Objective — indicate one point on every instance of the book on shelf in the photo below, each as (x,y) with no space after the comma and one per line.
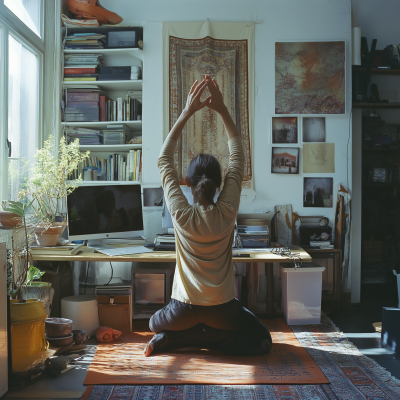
(82,103)
(77,67)
(81,109)
(82,96)
(76,41)
(64,250)
(82,117)
(81,76)
(85,136)
(113,137)
(81,79)
(91,69)
(102,102)
(116,167)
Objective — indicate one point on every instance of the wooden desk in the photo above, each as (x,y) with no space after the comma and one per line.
(169,256)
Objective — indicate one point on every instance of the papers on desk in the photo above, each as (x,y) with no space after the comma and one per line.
(66,250)
(256,250)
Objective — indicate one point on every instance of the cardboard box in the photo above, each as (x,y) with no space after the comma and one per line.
(115,307)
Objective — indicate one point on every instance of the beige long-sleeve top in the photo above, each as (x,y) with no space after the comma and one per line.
(204,272)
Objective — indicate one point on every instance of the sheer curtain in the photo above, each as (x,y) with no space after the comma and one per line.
(23,97)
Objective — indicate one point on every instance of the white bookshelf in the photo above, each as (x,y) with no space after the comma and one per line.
(113,89)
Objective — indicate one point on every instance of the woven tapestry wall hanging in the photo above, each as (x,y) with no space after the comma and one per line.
(310,78)
(225,51)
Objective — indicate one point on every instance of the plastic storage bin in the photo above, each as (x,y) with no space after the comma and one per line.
(301,293)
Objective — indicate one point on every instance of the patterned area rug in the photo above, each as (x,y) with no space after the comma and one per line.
(352,376)
(122,362)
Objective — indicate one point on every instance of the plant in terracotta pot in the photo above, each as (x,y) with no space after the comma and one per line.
(8,218)
(48,187)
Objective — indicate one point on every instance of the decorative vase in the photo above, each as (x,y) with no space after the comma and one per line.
(48,236)
(8,218)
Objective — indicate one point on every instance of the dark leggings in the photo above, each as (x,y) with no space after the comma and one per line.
(194,325)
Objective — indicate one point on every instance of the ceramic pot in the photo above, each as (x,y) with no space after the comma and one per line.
(60,342)
(57,327)
(79,336)
(48,236)
(8,218)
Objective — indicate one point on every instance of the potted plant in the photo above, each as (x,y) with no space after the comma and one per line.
(21,256)
(48,187)
(36,289)
(8,218)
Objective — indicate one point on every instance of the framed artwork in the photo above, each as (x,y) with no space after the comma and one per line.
(318,192)
(314,129)
(284,130)
(285,160)
(310,77)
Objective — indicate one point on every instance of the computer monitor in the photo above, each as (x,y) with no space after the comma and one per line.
(99,211)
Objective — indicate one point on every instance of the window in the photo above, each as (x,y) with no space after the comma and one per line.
(28,11)
(23,108)
(21,70)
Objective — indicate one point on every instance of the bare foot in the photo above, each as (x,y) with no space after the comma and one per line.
(155,344)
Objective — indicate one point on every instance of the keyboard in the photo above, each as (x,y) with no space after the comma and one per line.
(121,251)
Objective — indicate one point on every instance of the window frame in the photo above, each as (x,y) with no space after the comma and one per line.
(11,25)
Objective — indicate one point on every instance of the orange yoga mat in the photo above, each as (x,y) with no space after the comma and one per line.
(123,362)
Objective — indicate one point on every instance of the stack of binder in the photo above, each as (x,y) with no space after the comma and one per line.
(164,242)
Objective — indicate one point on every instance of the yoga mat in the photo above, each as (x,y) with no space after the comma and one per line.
(123,362)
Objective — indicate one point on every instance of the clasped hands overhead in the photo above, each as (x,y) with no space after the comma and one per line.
(215,101)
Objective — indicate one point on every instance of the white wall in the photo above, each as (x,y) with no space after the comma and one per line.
(284,20)
(279,20)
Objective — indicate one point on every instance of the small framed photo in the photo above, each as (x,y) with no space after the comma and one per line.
(285,160)
(284,130)
(318,192)
(153,197)
(314,129)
